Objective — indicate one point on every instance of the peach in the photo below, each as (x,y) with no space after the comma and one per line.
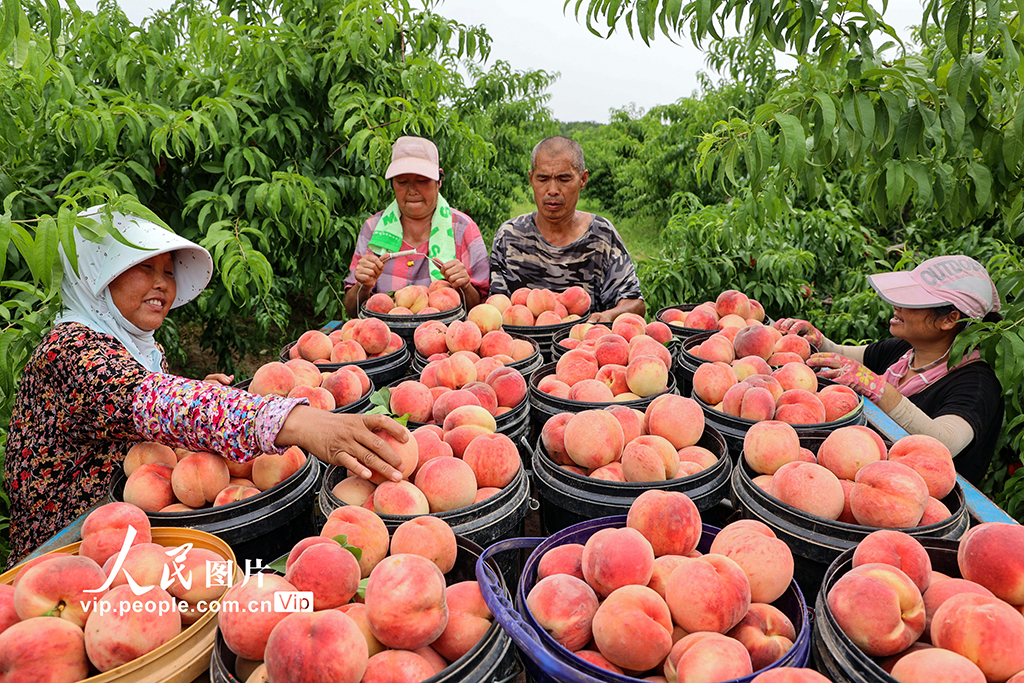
(576,365)
(412,398)
(575,299)
(497,342)
(659,332)
(716,348)
(702,318)
(553,437)
(940,591)
(598,660)
(363,529)
(246,631)
(663,568)
(273,378)
(673,315)
(901,550)
(548,318)
(59,588)
(463,336)
(764,482)
(314,345)
(934,665)
(317,646)
(612,376)
(630,419)
(405,602)
(669,521)
(749,402)
(732,321)
(769,445)
(456,371)
(380,303)
(848,449)
(270,469)
(429,537)
(633,628)
(992,555)
(430,338)
(540,300)
(792,343)
(373,335)
(647,376)
(43,649)
(985,630)
(448,483)
(879,608)
(412,297)
(642,345)
(116,635)
(148,452)
(318,397)
(347,352)
(610,472)
(766,633)
(754,340)
(708,593)
(347,330)
(449,401)
(469,619)
(732,302)
(522,349)
(499,301)
(198,585)
(357,612)
(591,391)
(809,487)
(494,460)
(611,349)
(796,376)
(649,458)
(711,381)
(707,657)
(934,513)
(393,666)
(106,527)
(888,494)
(517,315)
(930,458)
(697,455)
(678,419)
(782,358)
(766,382)
(616,557)
(750,365)
(765,559)
(509,385)
(797,406)
(469,415)
(444,299)
(149,487)
(328,570)
(345,387)
(786,674)
(564,606)
(234,493)
(594,438)
(562,559)
(399,498)
(839,401)
(460,437)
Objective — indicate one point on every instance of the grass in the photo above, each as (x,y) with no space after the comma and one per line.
(641,236)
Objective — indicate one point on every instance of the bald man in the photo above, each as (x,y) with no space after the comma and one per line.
(556,246)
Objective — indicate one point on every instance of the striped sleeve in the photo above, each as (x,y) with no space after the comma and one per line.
(471,250)
(209,417)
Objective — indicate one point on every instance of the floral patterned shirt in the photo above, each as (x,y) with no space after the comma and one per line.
(83,401)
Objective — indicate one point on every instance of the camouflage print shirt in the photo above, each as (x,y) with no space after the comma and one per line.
(597,261)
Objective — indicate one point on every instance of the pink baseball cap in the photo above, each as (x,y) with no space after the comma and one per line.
(955,280)
(414,155)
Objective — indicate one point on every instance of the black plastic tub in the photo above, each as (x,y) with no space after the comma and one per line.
(494,659)
(501,516)
(380,370)
(405,325)
(567,498)
(734,429)
(542,334)
(833,652)
(259,528)
(525,366)
(543,406)
(816,542)
(361,405)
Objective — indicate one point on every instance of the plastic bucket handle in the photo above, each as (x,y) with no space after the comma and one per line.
(521,633)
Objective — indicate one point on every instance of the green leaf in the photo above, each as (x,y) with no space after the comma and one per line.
(278,565)
(794,141)
(362,587)
(982,183)
(343,540)
(22,39)
(958,22)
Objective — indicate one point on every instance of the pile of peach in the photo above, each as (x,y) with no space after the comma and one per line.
(358,339)
(474,337)
(443,468)
(456,381)
(731,309)
(299,378)
(642,600)
(758,342)
(440,296)
(623,444)
(161,479)
(624,363)
(788,394)
(854,478)
(539,307)
(925,626)
(54,626)
(406,625)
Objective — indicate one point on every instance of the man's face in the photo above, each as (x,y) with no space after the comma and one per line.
(556,185)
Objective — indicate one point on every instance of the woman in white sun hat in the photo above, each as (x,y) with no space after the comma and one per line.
(97,384)
(909,375)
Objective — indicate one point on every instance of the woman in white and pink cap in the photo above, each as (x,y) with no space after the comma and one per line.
(911,376)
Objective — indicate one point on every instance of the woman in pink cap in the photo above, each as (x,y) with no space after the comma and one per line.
(910,376)
(435,241)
